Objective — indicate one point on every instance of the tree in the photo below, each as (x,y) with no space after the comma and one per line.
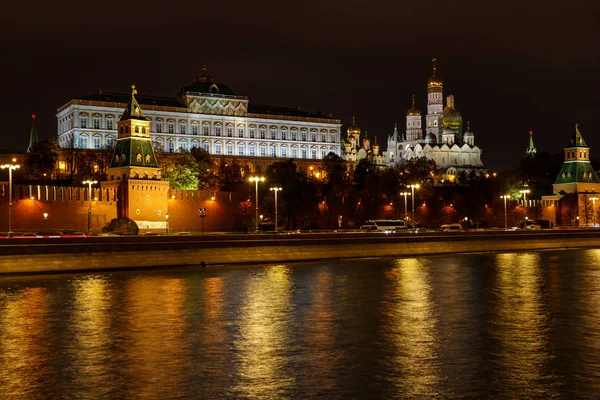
(40,161)
(207,179)
(336,177)
(181,170)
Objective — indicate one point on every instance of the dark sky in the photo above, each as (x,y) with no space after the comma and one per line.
(512,65)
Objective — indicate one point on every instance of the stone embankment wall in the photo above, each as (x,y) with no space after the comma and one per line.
(22,256)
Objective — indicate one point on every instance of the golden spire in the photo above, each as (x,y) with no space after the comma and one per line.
(434,80)
(414,111)
(133,90)
(353,129)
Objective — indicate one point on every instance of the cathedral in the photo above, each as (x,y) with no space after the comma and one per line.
(441,140)
(354,150)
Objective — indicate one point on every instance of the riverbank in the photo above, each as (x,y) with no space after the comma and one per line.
(35,256)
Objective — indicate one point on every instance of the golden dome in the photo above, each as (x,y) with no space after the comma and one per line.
(414,111)
(434,80)
(353,129)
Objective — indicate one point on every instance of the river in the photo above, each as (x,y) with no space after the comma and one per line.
(506,325)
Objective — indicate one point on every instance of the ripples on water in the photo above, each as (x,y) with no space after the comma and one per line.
(513,325)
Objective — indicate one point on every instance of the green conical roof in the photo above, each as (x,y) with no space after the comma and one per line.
(33,137)
(577,139)
(577,171)
(133,109)
(531,150)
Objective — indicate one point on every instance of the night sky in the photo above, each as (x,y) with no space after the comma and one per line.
(513,66)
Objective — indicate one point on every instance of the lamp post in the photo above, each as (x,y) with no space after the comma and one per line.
(525,191)
(45,221)
(405,194)
(202,215)
(413,187)
(10,169)
(593,199)
(276,189)
(257,179)
(505,215)
(167,224)
(90,183)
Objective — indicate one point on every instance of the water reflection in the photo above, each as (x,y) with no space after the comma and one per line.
(521,327)
(412,331)
(155,359)
(23,354)
(264,335)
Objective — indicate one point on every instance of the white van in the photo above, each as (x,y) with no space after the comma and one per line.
(451,228)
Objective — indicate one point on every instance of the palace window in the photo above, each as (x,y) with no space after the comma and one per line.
(194,144)
(96,122)
(313,153)
(323,153)
(110,142)
(252,133)
(252,150)
(206,130)
(96,142)
(158,126)
(83,142)
(273,133)
(183,145)
(171,127)
(229,131)
(218,130)
(304,153)
(240,131)
(284,151)
(240,149)
(194,129)
(110,124)
(229,149)
(283,134)
(218,148)
(263,151)
(294,152)
(171,146)
(313,136)
(304,136)
(273,151)
(206,147)
(294,135)
(83,121)
(323,137)
(182,128)
(263,133)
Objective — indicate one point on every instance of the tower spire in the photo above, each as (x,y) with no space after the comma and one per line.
(33,137)
(530,152)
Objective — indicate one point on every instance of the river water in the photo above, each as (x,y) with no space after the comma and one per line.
(510,325)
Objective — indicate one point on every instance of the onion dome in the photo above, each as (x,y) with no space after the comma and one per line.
(468,133)
(414,111)
(375,145)
(434,80)
(353,130)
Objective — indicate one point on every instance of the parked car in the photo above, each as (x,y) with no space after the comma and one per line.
(451,228)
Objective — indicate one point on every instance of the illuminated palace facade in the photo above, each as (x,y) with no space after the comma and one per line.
(441,138)
(205,114)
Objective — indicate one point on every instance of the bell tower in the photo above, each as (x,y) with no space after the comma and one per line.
(435,102)
(134,173)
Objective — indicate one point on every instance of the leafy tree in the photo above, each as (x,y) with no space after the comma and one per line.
(231,176)
(40,161)
(181,170)
(336,177)
(207,179)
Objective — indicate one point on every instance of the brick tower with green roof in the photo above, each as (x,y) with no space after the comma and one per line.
(134,173)
(577,174)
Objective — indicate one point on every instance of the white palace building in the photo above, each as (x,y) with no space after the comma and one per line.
(205,114)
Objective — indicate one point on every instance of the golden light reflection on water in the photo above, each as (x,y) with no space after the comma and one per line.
(23,329)
(264,335)
(155,343)
(90,322)
(521,325)
(412,330)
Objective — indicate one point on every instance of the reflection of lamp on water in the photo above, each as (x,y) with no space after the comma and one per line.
(167,224)
(45,220)
(275,189)
(505,216)
(257,179)
(413,187)
(90,183)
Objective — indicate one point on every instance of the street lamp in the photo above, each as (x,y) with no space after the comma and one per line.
(10,169)
(167,224)
(593,199)
(90,183)
(257,179)
(45,221)
(413,187)
(525,191)
(405,194)
(276,189)
(505,217)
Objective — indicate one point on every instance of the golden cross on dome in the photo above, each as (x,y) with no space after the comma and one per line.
(133,91)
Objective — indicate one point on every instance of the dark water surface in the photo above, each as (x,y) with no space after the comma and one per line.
(512,325)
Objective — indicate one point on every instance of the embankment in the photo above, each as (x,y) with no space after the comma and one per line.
(30,256)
